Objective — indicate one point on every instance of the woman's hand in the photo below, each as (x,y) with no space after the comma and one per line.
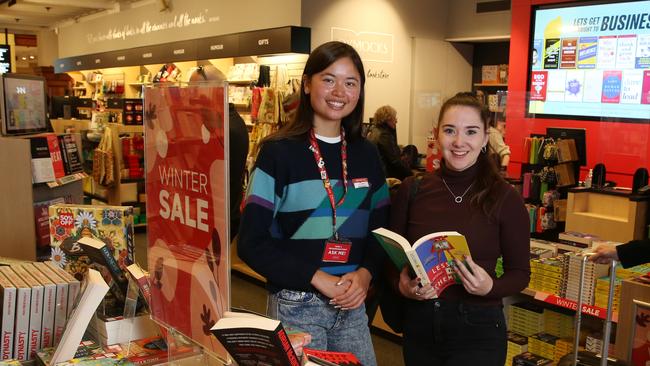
(356,284)
(412,289)
(475,279)
(328,285)
(604,254)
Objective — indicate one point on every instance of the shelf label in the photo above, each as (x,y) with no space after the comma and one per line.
(98,60)
(78,63)
(263,41)
(121,58)
(216,47)
(179,51)
(147,55)
(572,305)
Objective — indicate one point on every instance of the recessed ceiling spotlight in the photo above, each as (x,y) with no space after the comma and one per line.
(23,58)
(31,57)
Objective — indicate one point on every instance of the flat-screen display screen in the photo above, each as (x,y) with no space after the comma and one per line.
(590,61)
(23,107)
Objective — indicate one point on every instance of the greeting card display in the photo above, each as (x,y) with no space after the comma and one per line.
(186,184)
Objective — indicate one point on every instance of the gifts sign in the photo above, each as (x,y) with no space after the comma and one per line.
(185,156)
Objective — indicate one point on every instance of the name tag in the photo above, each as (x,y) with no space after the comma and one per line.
(360,183)
(337,251)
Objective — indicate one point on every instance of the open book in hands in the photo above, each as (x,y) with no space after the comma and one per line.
(431,257)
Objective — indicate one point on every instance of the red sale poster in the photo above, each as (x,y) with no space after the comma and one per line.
(538,83)
(186,209)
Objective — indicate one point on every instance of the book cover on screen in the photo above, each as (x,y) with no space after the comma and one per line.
(431,257)
(587,47)
(255,340)
(568,53)
(551,53)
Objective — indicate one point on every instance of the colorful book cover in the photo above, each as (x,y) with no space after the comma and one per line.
(587,50)
(645,89)
(642,60)
(606,58)
(568,53)
(611,86)
(538,83)
(631,86)
(187,218)
(111,224)
(552,53)
(574,86)
(55,154)
(536,54)
(626,51)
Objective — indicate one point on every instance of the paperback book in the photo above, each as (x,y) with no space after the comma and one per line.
(431,257)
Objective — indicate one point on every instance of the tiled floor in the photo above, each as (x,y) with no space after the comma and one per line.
(252,295)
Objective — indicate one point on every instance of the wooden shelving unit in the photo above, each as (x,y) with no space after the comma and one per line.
(19,194)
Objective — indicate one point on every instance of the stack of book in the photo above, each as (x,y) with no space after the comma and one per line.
(547,275)
(517,344)
(34,303)
(525,318)
(542,344)
(572,240)
(114,330)
(602,292)
(529,359)
(572,263)
(558,324)
(562,347)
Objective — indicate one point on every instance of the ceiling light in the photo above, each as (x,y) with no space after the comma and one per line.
(31,57)
(23,58)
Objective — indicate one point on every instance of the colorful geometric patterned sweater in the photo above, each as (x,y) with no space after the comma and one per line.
(288,217)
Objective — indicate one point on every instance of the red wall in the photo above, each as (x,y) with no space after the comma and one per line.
(622,147)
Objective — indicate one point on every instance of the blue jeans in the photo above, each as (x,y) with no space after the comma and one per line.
(331,329)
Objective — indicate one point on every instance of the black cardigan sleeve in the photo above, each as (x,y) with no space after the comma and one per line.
(634,253)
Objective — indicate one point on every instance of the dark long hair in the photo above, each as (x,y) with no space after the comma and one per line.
(484,193)
(320,59)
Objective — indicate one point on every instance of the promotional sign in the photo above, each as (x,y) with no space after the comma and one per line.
(595,57)
(187,200)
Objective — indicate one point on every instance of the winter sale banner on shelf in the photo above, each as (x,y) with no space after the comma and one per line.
(186,181)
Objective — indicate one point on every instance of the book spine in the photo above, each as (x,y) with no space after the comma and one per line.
(74,286)
(418,268)
(285,345)
(21,336)
(35,311)
(61,300)
(55,155)
(47,329)
(8,294)
(104,256)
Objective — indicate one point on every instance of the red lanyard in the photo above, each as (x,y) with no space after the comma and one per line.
(320,163)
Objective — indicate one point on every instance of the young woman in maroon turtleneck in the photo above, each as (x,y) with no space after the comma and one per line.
(464,325)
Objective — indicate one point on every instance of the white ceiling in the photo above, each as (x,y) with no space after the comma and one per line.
(31,16)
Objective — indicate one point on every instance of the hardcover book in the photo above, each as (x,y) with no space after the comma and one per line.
(313,357)
(61,302)
(141,277)
(112,225)
(100,255)
(49,304)
(74,285)
(431,257)
(42,221)
(42,168)
(70,153)
(21,325)
(255,340)
(8,301)
(35,310)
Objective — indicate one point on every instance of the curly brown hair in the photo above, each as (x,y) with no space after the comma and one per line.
(384,114)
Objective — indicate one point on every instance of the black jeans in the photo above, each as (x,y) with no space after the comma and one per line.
(440,333)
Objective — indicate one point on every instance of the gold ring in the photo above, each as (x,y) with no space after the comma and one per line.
(417,293)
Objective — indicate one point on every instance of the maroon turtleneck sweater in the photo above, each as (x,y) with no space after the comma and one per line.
(507,234)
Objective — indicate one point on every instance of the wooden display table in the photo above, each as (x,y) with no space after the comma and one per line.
(610,214)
